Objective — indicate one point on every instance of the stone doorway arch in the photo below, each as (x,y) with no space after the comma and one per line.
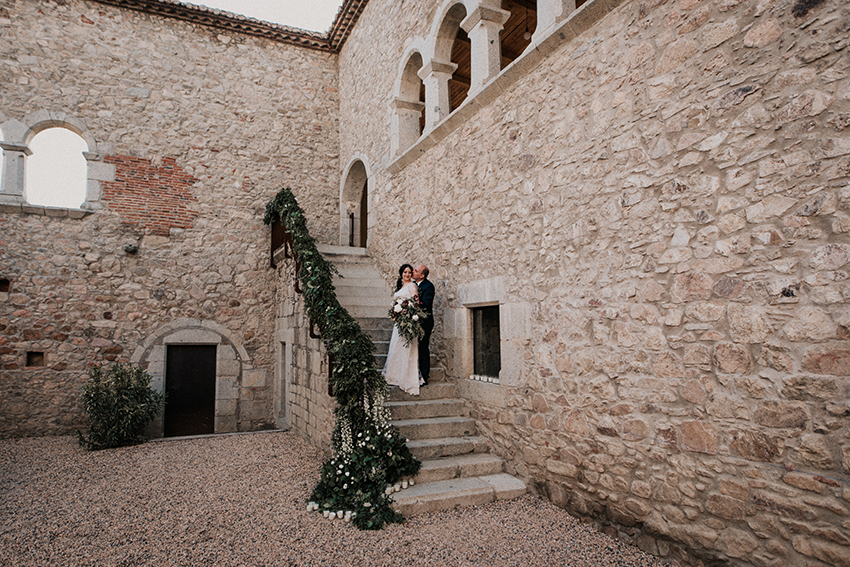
(233,368)
(354,205)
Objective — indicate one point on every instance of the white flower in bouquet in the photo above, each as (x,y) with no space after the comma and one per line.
(407,315)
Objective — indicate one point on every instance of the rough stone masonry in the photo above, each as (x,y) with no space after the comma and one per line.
(656,195)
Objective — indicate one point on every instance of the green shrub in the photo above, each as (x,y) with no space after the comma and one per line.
(119,404)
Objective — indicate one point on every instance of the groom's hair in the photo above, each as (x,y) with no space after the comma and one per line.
(425,271)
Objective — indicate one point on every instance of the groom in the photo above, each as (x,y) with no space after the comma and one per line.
(426,300)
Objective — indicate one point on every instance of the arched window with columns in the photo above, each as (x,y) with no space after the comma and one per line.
(408,105)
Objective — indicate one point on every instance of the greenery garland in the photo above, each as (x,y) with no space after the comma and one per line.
(368,453)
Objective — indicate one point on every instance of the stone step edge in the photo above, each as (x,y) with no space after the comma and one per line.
(455,493)
(439,447)
(459,466)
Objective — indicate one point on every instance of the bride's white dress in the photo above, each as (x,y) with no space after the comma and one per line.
(402,367)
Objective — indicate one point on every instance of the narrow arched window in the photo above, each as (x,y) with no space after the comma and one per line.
(460,55)
(56,171)
(2,160)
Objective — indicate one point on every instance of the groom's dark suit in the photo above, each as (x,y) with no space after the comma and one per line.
(426,300)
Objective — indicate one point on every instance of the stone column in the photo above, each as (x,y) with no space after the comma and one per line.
(548,13)
(97,171)
(436,77)
(405,124)
(483,26)
(14,171)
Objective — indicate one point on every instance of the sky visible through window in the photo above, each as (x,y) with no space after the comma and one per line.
(56,170)
(312,15)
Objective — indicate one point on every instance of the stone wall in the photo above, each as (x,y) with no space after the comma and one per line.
(663,203)
(302,374)
(193,131)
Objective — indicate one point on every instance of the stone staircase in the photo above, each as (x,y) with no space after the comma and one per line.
(457,469)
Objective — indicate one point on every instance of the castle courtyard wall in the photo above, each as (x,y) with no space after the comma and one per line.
(660,208)
(195,130)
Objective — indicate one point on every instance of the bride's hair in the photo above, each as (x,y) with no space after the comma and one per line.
(398,283)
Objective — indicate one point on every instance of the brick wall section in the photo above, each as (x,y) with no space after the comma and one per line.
(155,198)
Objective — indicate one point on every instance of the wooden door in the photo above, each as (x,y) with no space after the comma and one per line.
(190,390)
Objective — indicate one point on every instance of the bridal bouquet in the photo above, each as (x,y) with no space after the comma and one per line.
(407,316)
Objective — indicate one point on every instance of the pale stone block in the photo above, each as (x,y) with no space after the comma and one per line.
(515,321)
(254,379)
(193,336)
(225,424)
(511,357)
(482,292)
(224,408)
(100,171)
(493,395)
(226,388)
(228,367)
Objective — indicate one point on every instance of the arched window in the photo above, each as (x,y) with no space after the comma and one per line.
(354,206)
(516,36)
(2,161)
(408,106)
(453,46)
(57,169)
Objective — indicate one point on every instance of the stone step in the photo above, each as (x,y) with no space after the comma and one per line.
(367,300)
(424,449)
(433,391)
(381,347)
(383,335)
(366,311)
(460,466)
(336,250)
(362,287)
(382,323)
(436,427)
(419,409)
(352,271)
(455,493)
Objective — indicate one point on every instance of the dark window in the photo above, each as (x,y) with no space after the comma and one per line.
(5,285)
(35,359)
(485,338)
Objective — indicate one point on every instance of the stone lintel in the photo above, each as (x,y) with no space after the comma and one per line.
(414,105)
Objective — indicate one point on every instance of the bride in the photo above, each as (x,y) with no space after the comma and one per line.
(402,366)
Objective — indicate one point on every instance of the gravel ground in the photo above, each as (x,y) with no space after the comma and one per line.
(240,500)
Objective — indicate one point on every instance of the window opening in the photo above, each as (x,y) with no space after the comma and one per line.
(56,171)
(516,35)
(462,77)
(5,285)
(35,359)
(2,161)
(486,341)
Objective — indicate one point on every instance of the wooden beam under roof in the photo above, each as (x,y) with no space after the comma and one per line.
(331,42)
